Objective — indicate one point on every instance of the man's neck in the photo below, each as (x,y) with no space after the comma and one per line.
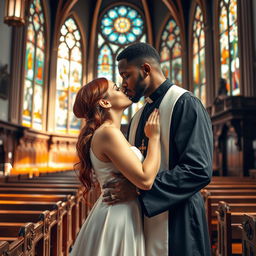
(154,85)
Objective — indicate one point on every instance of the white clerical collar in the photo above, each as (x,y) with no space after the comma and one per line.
(148,100)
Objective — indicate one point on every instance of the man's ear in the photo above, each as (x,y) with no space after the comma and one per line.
(104,103)
(146,69)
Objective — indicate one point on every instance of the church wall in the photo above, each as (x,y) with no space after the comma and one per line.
(5,53)
(157,9)
(254,31)
(254,24)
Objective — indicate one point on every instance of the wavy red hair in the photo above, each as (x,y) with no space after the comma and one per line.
(86,106)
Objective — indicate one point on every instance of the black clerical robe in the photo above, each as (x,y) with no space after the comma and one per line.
(176,189)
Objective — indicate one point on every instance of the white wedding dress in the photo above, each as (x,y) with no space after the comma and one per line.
(114,230)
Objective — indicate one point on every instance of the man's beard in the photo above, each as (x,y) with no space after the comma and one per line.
(139,89)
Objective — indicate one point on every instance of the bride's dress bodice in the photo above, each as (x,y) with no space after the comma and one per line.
(104,170)
(111,229)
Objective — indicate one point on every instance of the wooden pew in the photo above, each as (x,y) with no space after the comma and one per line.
(60,207)
(249,235)
(4,247)
(70,227)
(15,247)
(80,212)
(24,239)
(50,222)
(229,230)
(237,202)
(231,192)
(230,186)
(47,181)
(36,185)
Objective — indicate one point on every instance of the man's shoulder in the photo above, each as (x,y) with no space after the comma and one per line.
(189,98)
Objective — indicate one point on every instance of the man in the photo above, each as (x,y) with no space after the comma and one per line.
(174,221)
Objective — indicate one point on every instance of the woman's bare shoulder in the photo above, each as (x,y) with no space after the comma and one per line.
(107,133)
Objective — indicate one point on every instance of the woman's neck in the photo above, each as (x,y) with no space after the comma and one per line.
(116,118)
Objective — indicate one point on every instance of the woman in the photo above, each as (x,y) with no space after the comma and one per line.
(112,230)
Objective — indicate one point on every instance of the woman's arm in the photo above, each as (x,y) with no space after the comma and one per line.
(117,149)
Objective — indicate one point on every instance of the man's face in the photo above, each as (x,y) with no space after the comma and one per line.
(133,82)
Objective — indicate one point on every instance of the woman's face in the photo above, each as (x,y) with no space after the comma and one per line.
(116,97)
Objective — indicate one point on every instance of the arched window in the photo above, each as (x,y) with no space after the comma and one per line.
(118,27)
(228,38)
(170,52)
(69,76)
(199,78)
(32,114)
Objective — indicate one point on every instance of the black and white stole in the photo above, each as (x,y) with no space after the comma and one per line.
(156,228)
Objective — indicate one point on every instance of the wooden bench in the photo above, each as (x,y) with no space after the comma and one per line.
(211,205)
(15,248)
(50,223)
(234,192)
(40,185)
(229,230)
(249,235)
(230,186)
(60,207)
(79,199)
(72,211)
(23,238)
(4,247)
(70,229)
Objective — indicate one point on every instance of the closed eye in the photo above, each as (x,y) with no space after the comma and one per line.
(117,88)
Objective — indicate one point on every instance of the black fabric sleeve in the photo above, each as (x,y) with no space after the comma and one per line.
(191,145)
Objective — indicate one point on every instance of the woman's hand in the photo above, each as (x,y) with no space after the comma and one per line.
(152,127)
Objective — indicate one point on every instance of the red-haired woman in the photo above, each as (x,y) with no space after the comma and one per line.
(112,229)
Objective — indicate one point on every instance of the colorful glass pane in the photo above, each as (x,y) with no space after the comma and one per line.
(177,71)
(170,54)
(196,68)
(75,76)
(32,114)
(40,40)
(27,103)
(39,66)
(71,25)
(75,123)
(199,77)
(176,51)
(69,77)
(202,66)
(62,74)
(37,107)
(232,12)
(105,63)
(30,33)
(122,25)
(166,69)
(119,26)
(223,20)
(62,110)
(165,54)
(229,50)
(203,94)
(36,21)
(29,64)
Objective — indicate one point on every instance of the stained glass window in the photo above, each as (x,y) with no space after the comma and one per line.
(199,78)
(119,26)
(170,52)
(228,39)
(32,114)
(69,77)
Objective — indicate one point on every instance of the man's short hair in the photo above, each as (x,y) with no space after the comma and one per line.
(139,51)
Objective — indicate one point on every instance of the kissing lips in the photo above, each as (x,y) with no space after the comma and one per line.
(128,94)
